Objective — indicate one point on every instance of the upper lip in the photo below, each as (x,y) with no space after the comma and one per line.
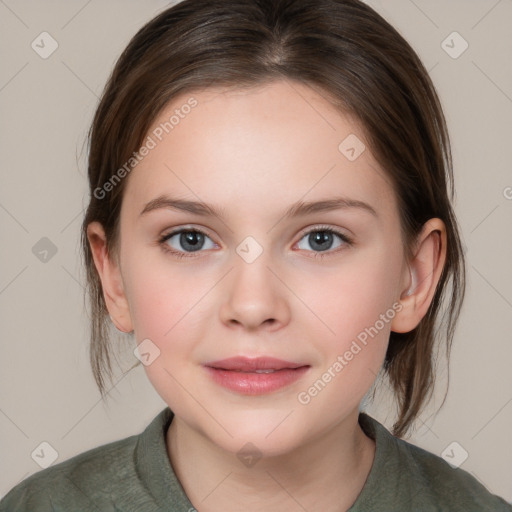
(247,364)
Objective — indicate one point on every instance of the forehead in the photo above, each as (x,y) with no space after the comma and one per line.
(265,146)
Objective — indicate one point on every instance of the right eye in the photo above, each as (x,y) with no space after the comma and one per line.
(182,242)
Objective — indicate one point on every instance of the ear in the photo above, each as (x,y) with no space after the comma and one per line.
(110,275)
(421,276)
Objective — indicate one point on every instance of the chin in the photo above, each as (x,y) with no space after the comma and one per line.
(265,429)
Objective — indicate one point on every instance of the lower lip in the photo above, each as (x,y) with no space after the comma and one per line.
(256,383)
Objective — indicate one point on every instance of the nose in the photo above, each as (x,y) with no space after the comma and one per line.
(255,298)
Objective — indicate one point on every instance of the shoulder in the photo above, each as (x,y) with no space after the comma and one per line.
(408,474)
(87,480)
(453,488)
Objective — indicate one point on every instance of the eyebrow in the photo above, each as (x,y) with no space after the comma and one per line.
(299,208)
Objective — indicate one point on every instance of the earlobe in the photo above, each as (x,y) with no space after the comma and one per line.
(424,270)
(110,276)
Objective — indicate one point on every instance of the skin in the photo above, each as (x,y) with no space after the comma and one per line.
(254,153)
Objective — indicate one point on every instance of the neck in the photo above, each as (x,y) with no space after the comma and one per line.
(326,474)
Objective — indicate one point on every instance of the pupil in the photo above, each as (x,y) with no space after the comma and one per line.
(191,240)
(319,239)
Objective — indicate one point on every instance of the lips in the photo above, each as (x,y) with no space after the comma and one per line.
(254,365)
(255,376)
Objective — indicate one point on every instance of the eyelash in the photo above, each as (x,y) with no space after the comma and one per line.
(322,254)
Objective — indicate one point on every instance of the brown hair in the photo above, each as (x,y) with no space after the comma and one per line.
(346,51)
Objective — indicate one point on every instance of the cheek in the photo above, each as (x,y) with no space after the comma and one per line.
(170,304)
(355,297)
(164,306)
(357,305)
(162,300)
(155,305)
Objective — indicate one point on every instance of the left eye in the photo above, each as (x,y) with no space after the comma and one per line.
(322,239)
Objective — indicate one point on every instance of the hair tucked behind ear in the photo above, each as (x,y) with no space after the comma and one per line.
(344,50)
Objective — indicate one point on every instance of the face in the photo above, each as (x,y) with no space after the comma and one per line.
(314,288)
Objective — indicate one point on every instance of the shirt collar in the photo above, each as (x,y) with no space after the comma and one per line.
(158,477)
(154,466)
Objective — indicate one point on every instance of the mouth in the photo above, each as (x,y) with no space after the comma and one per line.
(255,376)
(254,364)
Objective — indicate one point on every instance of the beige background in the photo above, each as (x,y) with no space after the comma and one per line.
(47,391)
